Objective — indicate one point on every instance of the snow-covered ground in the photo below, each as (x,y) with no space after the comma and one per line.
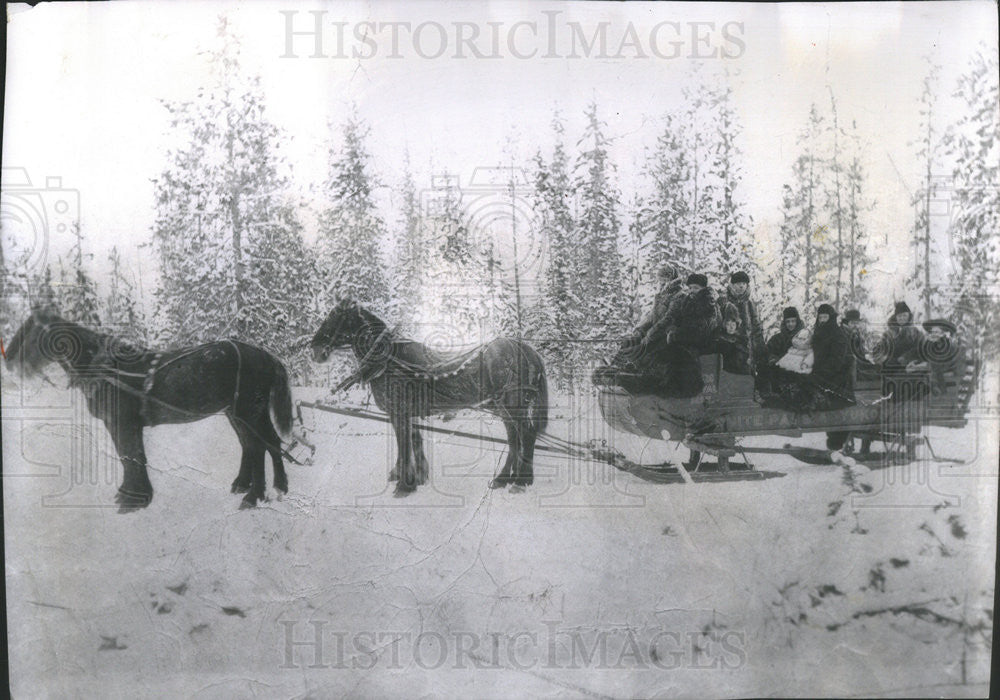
(593,582)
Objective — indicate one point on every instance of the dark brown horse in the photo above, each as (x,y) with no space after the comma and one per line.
(409,380)
(129,387)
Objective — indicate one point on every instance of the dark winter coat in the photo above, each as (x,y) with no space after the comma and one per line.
(661,303)
(899,344)
(943,357)
(832,360)
(691,318)
(749,320)
(778,344)
(734,348)
(827,387)
(694,317)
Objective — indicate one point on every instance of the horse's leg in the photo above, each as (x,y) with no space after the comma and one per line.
(273,441)
(513,447)
(136,491)
(241,484)
(254,453)
(402,426)
(252,461)
(524,472)
(423,468)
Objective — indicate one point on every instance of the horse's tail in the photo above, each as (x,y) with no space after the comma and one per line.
(542,410)
(281,398)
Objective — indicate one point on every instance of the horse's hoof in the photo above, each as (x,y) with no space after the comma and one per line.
(402,491)
(239,488)
(251,501)
(131,502)
(498,483)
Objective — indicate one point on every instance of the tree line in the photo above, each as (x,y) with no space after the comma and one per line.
(234,260)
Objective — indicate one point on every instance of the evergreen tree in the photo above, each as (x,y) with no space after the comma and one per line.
(662,218)
(599,259)
(352,231)
(974,146)
(859,260)
(41,291)
(78,299)
(456,275)
(220,208)
(411,257)
(928,151)
(13,294)
(834,198)
(121,314)
(731,236)
(553,200)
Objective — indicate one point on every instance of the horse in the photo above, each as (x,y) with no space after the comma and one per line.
(409,380)
(129,387)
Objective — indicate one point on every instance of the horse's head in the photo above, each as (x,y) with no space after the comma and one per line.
(45,337)
(338,330)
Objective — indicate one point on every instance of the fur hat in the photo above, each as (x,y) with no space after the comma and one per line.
(730,313)
(738,277)
(852,315)
(789,312)
(940,323)
(826,309)
(902,308)
(697,278)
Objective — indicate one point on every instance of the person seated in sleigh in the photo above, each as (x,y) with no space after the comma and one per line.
(666,359)
(631,356)
(731,341)
(737,293)
(682,336)
(940,354)
(796,384)
(854,328)
(899,344)
(775,348)
(636,344)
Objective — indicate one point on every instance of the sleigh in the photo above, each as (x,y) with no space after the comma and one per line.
(725,411)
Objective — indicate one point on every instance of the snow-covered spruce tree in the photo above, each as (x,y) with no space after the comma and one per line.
(923,280)
(411,256)
(599,262)
(662,217)
(859,260)
(456,282)
(282,282)
(973,143)
(351,230)
(556,322)
(78,299)
(220,207)
(731,235)
(40,289)
(14,301)
(804,229)
(121,313)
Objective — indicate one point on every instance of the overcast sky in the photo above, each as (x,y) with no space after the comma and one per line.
(84,83)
